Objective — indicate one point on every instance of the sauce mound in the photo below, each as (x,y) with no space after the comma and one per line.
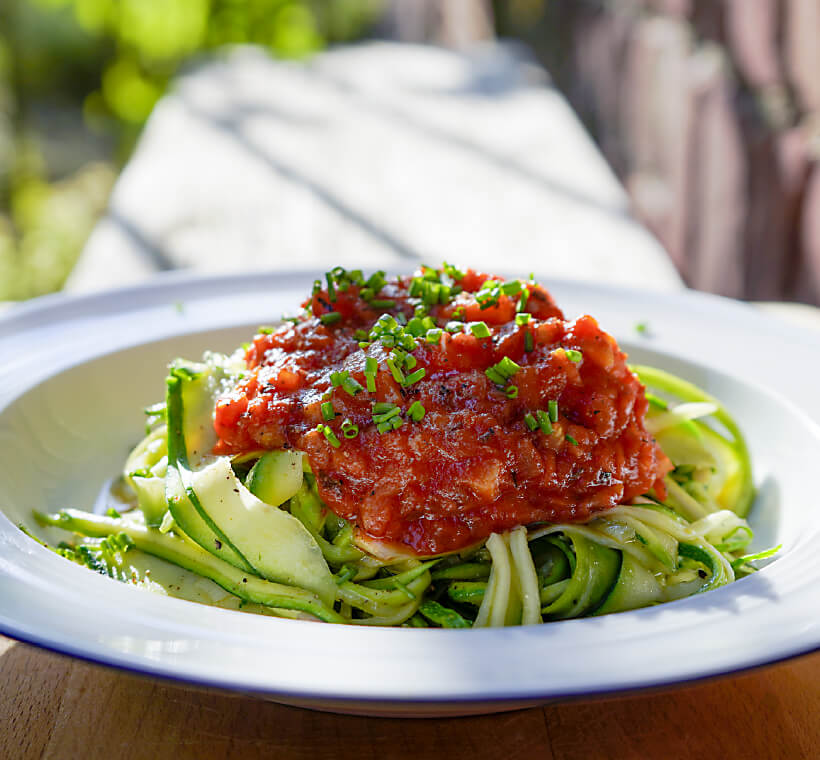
(435,410)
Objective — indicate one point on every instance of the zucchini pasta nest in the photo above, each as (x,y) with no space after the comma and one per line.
(253,530)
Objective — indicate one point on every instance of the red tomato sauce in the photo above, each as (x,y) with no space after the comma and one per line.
(471,465)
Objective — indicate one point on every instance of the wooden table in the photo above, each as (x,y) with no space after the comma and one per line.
(227,163)
(55,707)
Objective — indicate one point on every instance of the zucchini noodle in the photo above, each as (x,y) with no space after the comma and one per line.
(627,557)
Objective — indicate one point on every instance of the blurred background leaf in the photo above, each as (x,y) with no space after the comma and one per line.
(78,80)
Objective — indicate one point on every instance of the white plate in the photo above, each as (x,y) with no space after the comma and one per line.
(75,373)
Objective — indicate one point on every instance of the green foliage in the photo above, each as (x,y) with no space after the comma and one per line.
(109,62)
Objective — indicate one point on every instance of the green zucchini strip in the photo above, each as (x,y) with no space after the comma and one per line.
(179,469)
(192,557)
(668,383)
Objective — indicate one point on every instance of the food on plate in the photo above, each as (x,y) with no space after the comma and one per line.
(435,450)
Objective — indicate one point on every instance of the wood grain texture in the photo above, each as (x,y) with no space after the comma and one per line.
(53,707)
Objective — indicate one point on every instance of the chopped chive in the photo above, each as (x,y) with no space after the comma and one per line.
(414,377)
(523,318)
(530,421)
(370,383)
(383,427)
(571,439)
(415,327)
(398,375)
(383,303)
(529,344)
(495,376)
(337,378)
(410,361)
(480,330)
(511,288)
(544,421)
(522,302)
(511,391)
(330,435)
(642,328)
(371,366)
(396,423)
(416,411)
(361,334)
(265,330)
(388,415)
(366,294)
(380,407)
(434,335)
(508,367)
(376,281)
(553,410)
(317,286)
(573,355)
(349,429)
(352,386)
(453,327)
(331,288)
(331,318)
(364,345)
(328,412)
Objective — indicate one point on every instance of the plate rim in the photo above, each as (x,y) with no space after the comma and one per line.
(124,300)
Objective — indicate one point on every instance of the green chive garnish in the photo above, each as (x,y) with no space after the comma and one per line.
(553,410)
(511,391)
(416,411)
(414,377)
(330,435)
(571,439)
(380,407)
(530,421)
(331,318)
(529,344)
(522,302)
(349,430)
(388,415)
(523,318)
(331,288)
(337,378)
(383,303)
(480,330)
(352,386)
(434,335)
(573,355)
(507,367)
(398,375)
(495,376)
(544,421)
(328,412)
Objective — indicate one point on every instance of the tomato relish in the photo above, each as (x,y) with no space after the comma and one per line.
(437,409)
